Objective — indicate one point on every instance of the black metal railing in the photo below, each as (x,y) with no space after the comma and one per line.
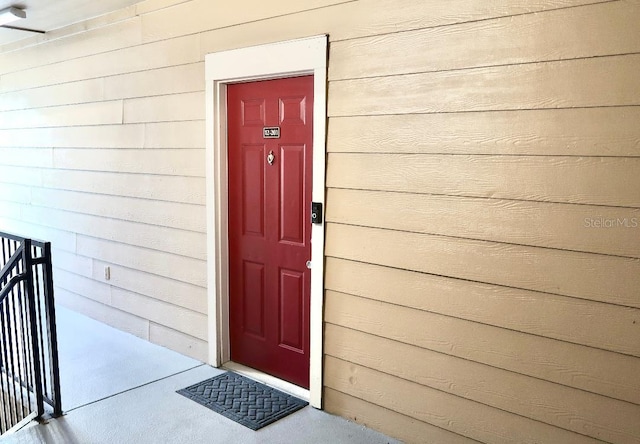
(29,372)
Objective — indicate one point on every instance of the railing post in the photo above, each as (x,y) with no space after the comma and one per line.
(24,288)
(52,329)
(33,322)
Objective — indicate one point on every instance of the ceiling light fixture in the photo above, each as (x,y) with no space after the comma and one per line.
(9,15)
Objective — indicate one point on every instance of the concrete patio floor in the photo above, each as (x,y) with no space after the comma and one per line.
(117,388)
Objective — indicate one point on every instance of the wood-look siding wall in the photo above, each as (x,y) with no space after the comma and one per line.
(476,149)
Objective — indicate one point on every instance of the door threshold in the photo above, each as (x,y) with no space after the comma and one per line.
(269,380)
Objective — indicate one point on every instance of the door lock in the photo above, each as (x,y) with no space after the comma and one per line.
(316,212)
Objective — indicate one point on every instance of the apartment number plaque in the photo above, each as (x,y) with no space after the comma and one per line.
(271,132)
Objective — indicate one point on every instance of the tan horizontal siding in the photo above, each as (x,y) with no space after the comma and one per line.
(609,327)
(550,132)
(390,16)
(180,268)
(70,281)
(576,410)
(542,224)
(203,15)
(176,241)
(172,80)
(171,52)
(180,162)
(98,113)
(66,94)
(364,18)
(154,286)
(153,212)
(608,279)
(175,340)
(69,261)
(584,180)
(587,82)
(170,315)
(12,223)
(388,421)
(114,36)
(157,187)
(103,313)
(103,136)
(581,367)
(343,20)
(473,420)
(171,108)
(502,41)
(186,134)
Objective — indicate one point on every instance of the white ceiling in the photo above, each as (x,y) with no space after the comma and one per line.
(47,15)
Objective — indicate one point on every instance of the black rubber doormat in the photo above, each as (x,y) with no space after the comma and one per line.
(243,400)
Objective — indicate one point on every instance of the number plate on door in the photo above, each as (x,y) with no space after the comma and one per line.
(271,132)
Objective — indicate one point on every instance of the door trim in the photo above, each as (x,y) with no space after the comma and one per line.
(271,61)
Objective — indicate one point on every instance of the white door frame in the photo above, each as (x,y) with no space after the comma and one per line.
(276,60)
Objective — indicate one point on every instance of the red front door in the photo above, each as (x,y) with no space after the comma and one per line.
(270,159)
